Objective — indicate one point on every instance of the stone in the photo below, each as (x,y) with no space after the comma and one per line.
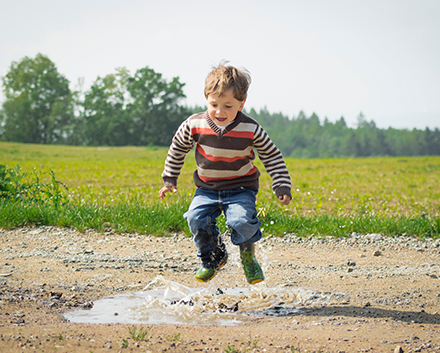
(374,237)
(38,285)
(398,349)
(19,314)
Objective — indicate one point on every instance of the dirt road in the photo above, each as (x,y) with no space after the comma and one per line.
(388,290)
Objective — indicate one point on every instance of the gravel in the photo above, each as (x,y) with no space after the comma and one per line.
(393,280)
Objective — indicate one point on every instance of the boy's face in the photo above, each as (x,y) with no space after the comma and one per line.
(223,109)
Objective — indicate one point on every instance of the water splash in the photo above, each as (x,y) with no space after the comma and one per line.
(165,301)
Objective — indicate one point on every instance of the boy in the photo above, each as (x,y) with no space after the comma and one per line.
(226,177)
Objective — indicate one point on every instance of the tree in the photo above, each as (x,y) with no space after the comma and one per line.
(38,102)
(154,108)
(432,141)
(350,145)
(104,119)
(341,123)
(361,121)
(195,109)
(2,122)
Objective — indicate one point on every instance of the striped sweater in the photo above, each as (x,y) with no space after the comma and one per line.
(224,157)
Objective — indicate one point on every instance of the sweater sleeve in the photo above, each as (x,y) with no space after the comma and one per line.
(273,161)
(181,144)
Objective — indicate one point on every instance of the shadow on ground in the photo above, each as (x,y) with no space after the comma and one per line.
(418,317)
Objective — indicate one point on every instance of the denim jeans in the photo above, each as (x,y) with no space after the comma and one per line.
(238,206)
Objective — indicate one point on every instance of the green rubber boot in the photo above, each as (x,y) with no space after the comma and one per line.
(206,273)
(252,270)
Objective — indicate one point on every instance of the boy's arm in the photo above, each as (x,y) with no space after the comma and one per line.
(181,144)
(273,161)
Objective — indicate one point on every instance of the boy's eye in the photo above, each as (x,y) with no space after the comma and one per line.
(228,106)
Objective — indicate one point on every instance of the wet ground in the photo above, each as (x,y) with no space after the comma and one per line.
(362,293)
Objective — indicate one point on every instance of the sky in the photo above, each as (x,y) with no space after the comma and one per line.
(330,57)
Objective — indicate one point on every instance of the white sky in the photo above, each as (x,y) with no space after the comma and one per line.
(332,57)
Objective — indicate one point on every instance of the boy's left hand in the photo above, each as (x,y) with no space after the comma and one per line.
(285,199)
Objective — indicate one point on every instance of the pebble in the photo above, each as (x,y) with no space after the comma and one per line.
(374,237)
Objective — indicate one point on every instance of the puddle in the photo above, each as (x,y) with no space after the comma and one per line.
(168,302)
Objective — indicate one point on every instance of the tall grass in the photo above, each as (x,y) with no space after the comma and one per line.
(166,220)
(26,201)
(117,188)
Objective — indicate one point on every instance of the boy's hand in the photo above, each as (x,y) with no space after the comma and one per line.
(166,189)
(285,199)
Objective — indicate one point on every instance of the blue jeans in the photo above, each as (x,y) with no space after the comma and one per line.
(238,205)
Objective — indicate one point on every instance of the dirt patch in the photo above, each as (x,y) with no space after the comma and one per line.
(392,286)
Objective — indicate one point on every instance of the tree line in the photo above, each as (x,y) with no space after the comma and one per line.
(144,109)
(118,109)
(308,137)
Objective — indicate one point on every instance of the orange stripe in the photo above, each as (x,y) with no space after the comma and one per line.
(206,179)
(202,131)
(232,133)
(240,134)
(221,159)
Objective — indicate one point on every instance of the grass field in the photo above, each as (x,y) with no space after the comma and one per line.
(330,196)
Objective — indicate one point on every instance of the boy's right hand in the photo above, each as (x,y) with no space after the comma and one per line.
(166,189)
(285,199)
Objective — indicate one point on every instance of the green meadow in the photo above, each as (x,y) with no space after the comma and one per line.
(117,188)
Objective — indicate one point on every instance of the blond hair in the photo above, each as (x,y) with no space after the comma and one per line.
(225,77)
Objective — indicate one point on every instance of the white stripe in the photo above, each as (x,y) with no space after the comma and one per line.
(245,127)
(211,173)
(173,170)
(219,152)
(200,123)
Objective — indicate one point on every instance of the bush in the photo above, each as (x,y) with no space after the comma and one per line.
(29,188)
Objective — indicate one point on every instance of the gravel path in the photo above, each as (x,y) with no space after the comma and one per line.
(388,292)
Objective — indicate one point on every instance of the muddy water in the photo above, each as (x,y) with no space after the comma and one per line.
(168,302)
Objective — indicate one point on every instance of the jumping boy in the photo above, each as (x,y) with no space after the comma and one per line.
(226,178)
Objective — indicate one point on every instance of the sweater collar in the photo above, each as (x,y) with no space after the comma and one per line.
(228,128)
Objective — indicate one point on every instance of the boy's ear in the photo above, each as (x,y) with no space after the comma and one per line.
(241,106)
